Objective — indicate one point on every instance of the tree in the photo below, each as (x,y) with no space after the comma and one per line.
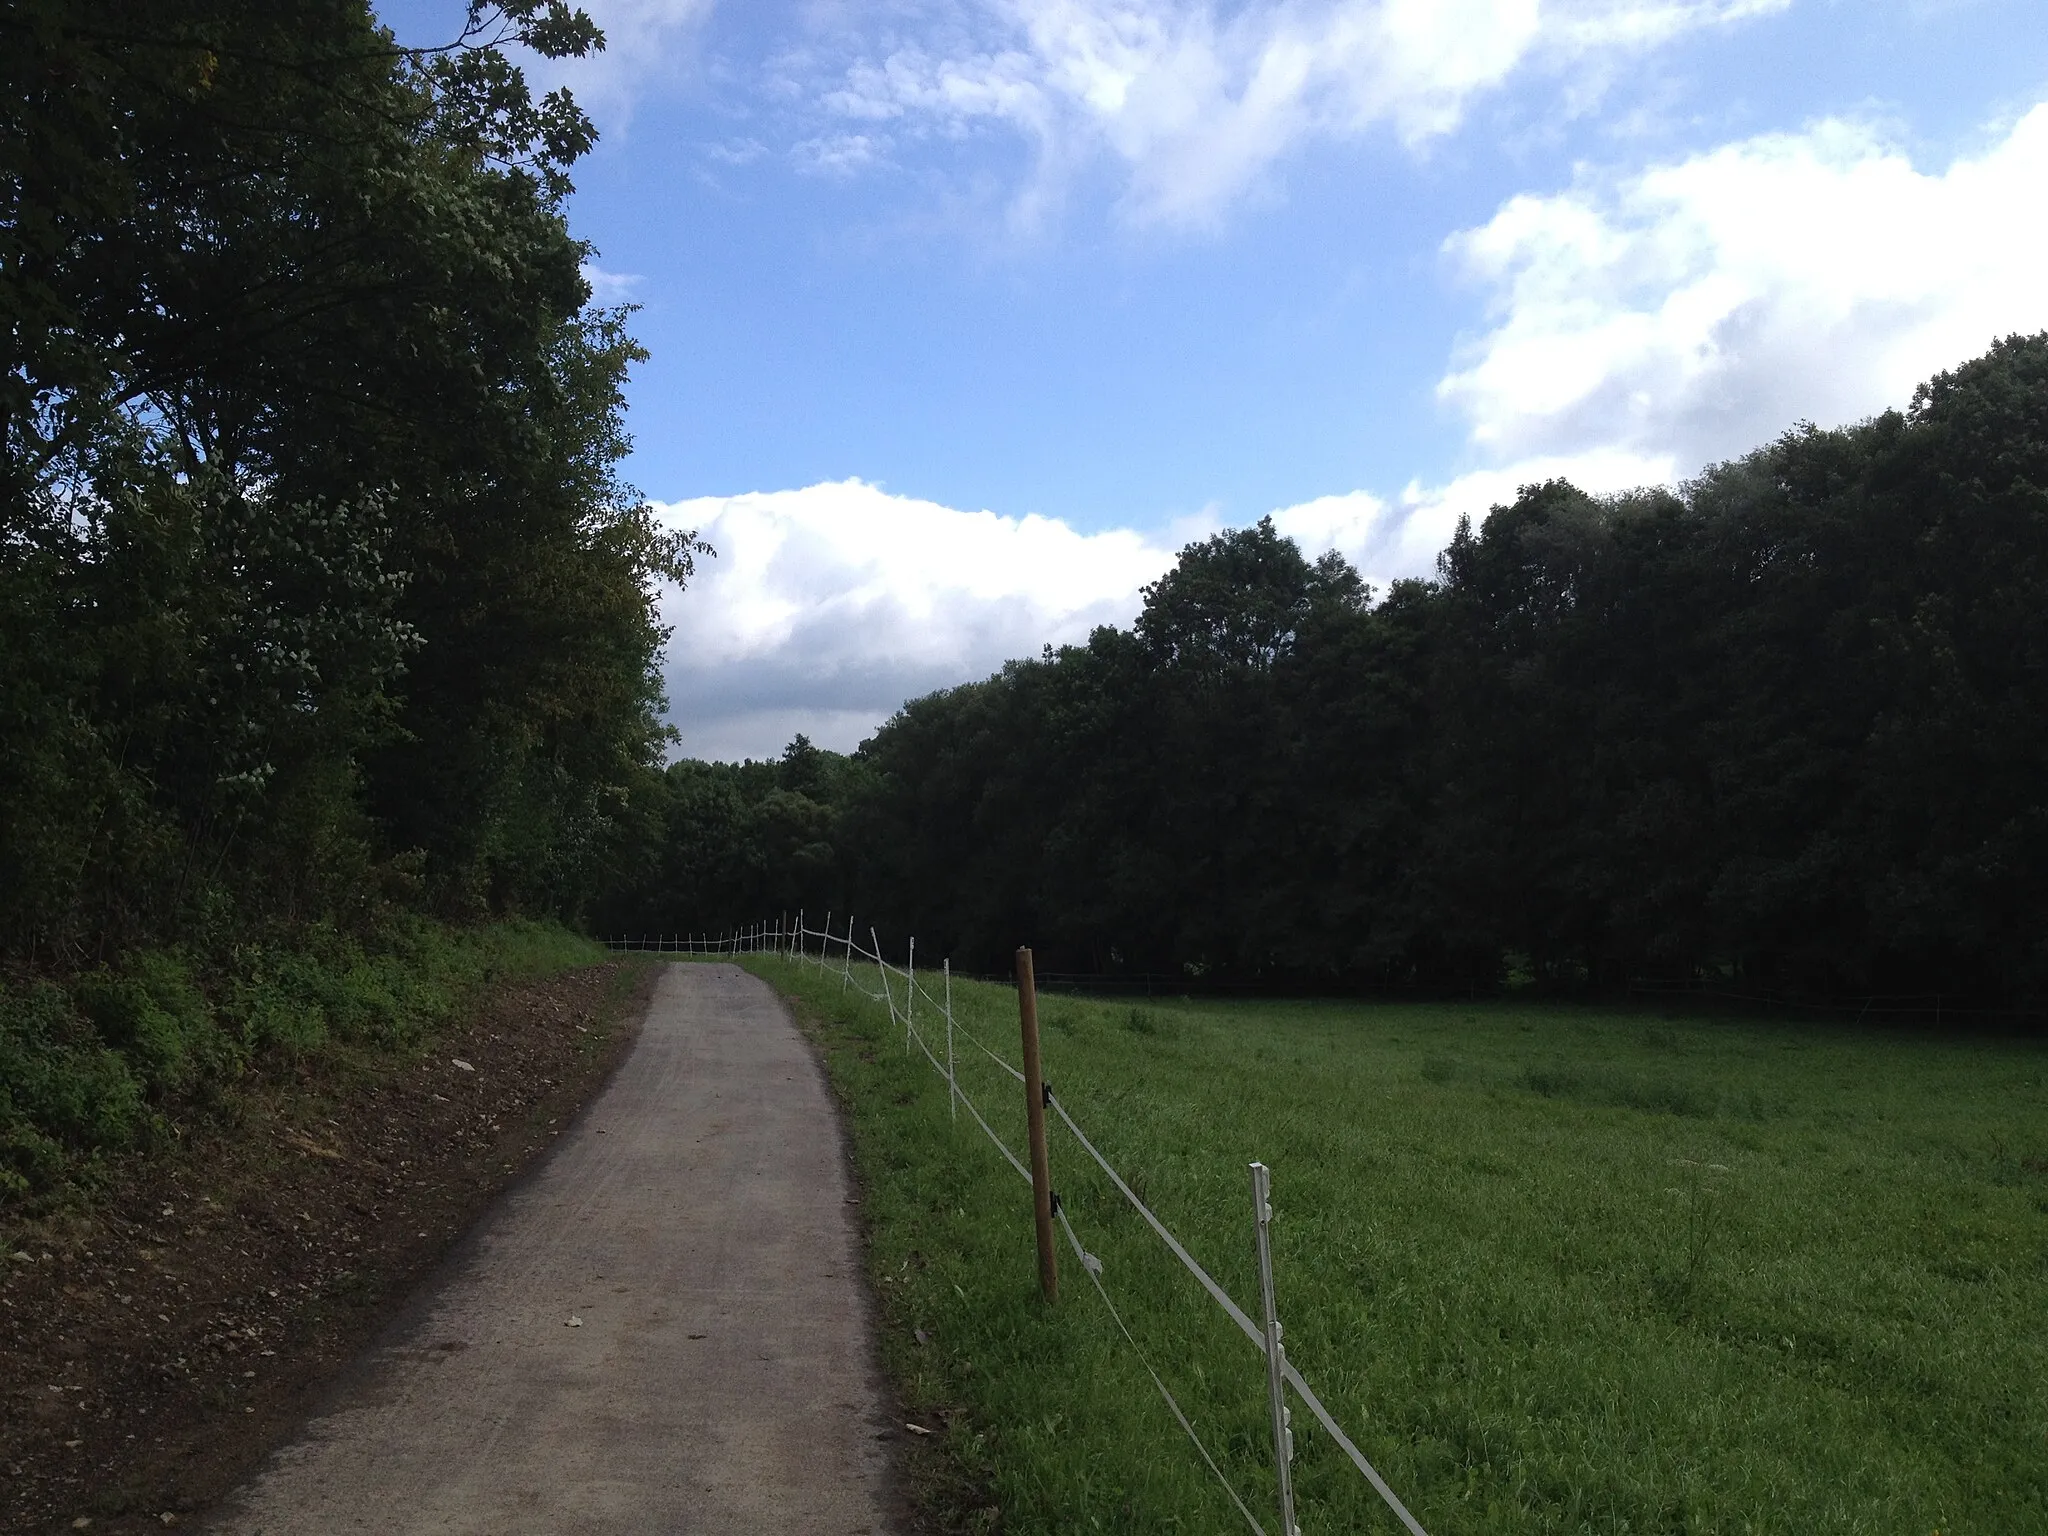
(312,550)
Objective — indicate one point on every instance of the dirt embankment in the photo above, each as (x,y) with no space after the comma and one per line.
(154,1347)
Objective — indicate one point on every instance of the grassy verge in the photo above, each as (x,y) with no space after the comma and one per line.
(1555,1269)
(120,1060)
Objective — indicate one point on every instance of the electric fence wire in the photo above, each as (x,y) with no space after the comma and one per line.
(1092,1266)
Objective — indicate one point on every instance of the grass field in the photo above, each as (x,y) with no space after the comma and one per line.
(1555,1269)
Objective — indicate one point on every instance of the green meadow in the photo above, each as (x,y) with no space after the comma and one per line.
(1555,1269)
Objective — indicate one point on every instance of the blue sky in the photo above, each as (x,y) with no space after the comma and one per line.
(964,314)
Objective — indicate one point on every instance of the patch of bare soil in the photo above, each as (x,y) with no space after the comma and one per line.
(156,1346)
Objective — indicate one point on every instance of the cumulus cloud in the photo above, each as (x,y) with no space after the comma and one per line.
(1693,310)
(1196,102)
(1388,538)
(828,606)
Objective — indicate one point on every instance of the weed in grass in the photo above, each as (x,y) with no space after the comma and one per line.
(1444,1069)
(1676,1277)
(1595,1083)
(1143,1021)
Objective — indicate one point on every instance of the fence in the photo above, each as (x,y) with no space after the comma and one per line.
(794,942)
(1934,1008)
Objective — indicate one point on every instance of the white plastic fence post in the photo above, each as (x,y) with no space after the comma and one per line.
(909,994)
(846,970)
(952,1083)
(825,940)
(799,934)
(1276,1352)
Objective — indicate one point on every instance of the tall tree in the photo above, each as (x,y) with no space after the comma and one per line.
(312,550)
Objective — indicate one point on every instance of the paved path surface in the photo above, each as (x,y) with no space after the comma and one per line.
(695,1220)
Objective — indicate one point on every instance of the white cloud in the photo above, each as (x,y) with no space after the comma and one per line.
(610,287)
(1389,539)
(735,152)
(828,606)
(645,40)
(839,154)
(1694,310)
(1198,103)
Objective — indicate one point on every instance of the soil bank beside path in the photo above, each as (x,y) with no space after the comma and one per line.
(664,1330)
(162,1331)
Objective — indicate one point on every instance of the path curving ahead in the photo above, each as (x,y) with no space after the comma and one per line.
(695,1221)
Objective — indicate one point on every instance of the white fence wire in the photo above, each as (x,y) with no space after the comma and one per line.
(792,940)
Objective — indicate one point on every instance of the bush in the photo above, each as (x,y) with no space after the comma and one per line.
(94,1067)
(62,1091)
(154,1013)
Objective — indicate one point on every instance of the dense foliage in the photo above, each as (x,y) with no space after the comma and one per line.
(321,605)
(1786,724)
(315,575)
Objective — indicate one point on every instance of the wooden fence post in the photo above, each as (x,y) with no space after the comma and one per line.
(1034,1119)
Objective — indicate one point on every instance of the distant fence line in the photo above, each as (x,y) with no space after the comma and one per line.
(1936,1008)
(792,941)
(1904,1008)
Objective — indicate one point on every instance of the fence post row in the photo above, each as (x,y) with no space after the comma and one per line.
(1034,1120)
(1276,1356)
(1045,1204)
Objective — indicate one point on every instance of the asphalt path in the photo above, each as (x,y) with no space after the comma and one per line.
(664,1329)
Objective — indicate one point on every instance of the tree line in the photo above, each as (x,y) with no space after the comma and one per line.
(327,626)
(320,594)
(1785,725)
